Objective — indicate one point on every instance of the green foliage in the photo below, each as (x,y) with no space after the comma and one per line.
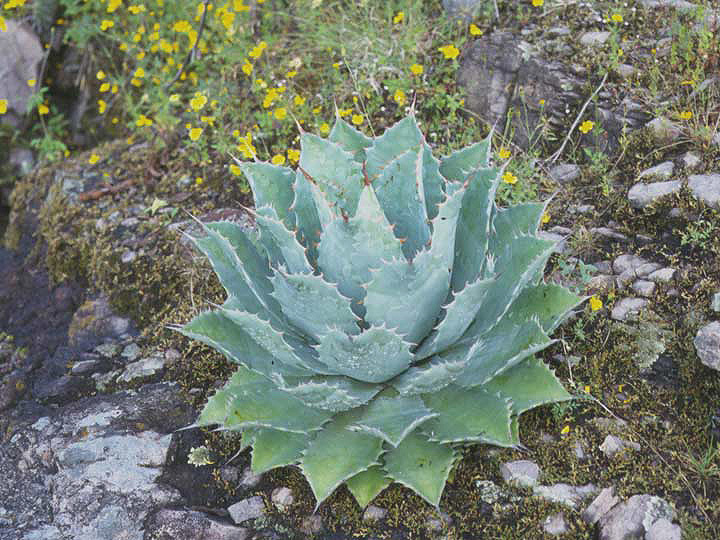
(384,313)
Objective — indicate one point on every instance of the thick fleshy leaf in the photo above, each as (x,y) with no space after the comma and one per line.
(250,263)
(336,454)
(473,227)
(334,171)
(422,465)
(223,261)
(313,305)
(466,415)
(434,374)
(365,486)
(433,182)
(504,346)
(460,164)
(349,138)
(522,258)
(392,418)
(255,401)
(549,303)
(444,226)
(272,185)
(273,448)
(294,356)
(408,296)
(458,315)
(215,410)
(281,244)
(516,220)
(400,190)
(396,140)
(349,249)
(528,384)
(376,355)
(306,215)
(333,393)
(222,334)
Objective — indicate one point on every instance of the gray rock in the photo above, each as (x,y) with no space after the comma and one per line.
(681,5)
(663,171)
(131,352)
(626,71)
(564,173)
(282,497)
(642,195)
(607,232)
(95,319)
(373,514)
(142,368)
(490,493)
(247,509)
(170,524)
(558,239)
(466,10)
(523,473)
(613,445)
(579,451)
(312,525)
(706,188)
(626,307)
(19,62)
(707,345)
(715,302)
(691,161)
(128,256)
(663,275)
(663,529)
(633,518)
(594,39)
(663,130)
(570,496)
(250,479)
(644,288)
(555,525)
(627,262)
(600,506)
(22,160)
(84,366)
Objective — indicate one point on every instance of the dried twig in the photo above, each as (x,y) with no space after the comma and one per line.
(559,152)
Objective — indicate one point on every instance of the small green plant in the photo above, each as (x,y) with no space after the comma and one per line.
(385,312)
(698,233)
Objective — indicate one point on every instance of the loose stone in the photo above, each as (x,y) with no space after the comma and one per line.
(642,195)
(521,473)
(282,497)
(374,513)
(555,524)
(600,506)
(707,345)
(247,509)
(706,188)
(663,171)
(644,288)
(626,307)
(612,445)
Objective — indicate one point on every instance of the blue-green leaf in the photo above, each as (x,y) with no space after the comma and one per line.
(392,418)
(273,448)
(460,164)
(349,138)
(365,486)
(272,185)
(280,243)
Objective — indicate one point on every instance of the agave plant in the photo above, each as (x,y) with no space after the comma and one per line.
(384,313)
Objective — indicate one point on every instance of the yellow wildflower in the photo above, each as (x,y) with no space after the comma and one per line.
(475,30)
(94,158)
(199,181)
(278,159)
(566,429)
(416,69)
(280,113)
(538,3)
(503,153)
(357,119)
(100,75)
(686,115)
(3,106)
(291,74)
(616,17)
(106,23)
(595,303)
(31,82)
(450,52)
(113,5)
(293,155)
(545,217)
(101,106)
(104,87)
(399,97)
(43,109)
(198,102)
(298,100)
(3,26)
(399,17)
(509,178)
(139,72)
(324,128)
(143,121)
(586,126)
(195,133)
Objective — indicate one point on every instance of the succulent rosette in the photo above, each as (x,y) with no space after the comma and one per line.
(383,313)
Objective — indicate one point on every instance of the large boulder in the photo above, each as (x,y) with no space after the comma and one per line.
(19,62)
